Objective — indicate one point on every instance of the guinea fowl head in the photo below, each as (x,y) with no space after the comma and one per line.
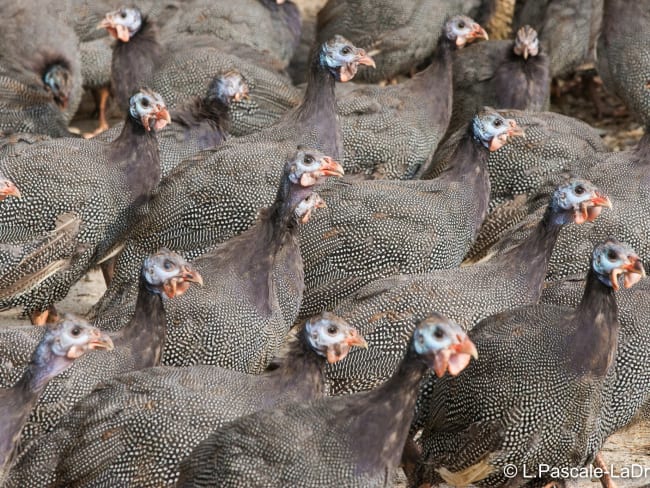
(306,206)
(526,42)
(309,166)
(64,342)
(58,79)
(168,274)
(462,30)
(613,259)
(493,130)
(443,345)
(148,108)
(8,189)
(332,337)
(342,58)
(123,23)
(229,87)
(577,201)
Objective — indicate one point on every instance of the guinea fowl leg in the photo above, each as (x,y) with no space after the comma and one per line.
(103,94)
(606,479)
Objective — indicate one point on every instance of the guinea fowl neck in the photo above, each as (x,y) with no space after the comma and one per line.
(592,346)
(436,78)
(280,215)
(135,153)
(642,151)
(468,161)
(43,366)
(300,372)
(146,332)
(535,252)
(316,116)
(382,423)
(209,115)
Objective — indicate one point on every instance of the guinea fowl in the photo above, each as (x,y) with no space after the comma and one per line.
(196,125)
(628,394)
(164,276)
(185,403)
(390,132)
(380,228)
(354,440)
(181,69)
(385,309)
(568,29)
(81,201)
(399,35)
(40,77)
(554,144)
(535,395)
(626,176)
(253,282)
(216,194)
(501,74)
(624,54)
(62,343)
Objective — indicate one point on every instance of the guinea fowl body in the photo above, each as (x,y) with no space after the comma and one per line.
(535,395)
(352,441)
(76,208)
(625,397)
(626,177)
(61,344)
(493,73)
(40,72)
(215,195)
(185,403)
(265,25)
(391,132)
(386,309)
(374,229)
(624,56)
(401,35)
(253,282)
(137,346)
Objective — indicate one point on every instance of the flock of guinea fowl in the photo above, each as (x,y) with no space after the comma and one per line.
(398,260)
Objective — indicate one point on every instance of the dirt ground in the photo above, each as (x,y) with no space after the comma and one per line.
(619,131)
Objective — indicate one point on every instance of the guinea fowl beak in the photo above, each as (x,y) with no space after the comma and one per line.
(356,339)
(192,275)
(524,54)
(8,190)
(632,271)
(513,131)
(348,70)
(116,31)
(98,342)
(331,168)
(365,59)
(591,209)
(477,32)
(456,357)
(160,117)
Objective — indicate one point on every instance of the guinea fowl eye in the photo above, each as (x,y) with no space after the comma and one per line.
(145,102)
(308,160)
(461,25)
(612,255)
(497,123)
(346,50)
(579,190)
(76,331)
(439,333)
(167,265)
(123,14)
(332,329)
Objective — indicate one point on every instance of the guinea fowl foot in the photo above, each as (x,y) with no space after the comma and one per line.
(48,316)
(605,479)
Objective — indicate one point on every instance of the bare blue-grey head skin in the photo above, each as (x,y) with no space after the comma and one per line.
(462,30)
(342,58)
(493,130)
(62,343)
(526,42)
(331,336)
(58,79)
(613,259)
(577,201)
(122,24)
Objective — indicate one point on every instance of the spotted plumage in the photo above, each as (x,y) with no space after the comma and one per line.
(77,197)
(352,441)
(535,395)
(185,403)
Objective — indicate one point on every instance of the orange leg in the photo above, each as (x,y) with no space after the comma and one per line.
(45,317)
(606,479)
(103,94)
